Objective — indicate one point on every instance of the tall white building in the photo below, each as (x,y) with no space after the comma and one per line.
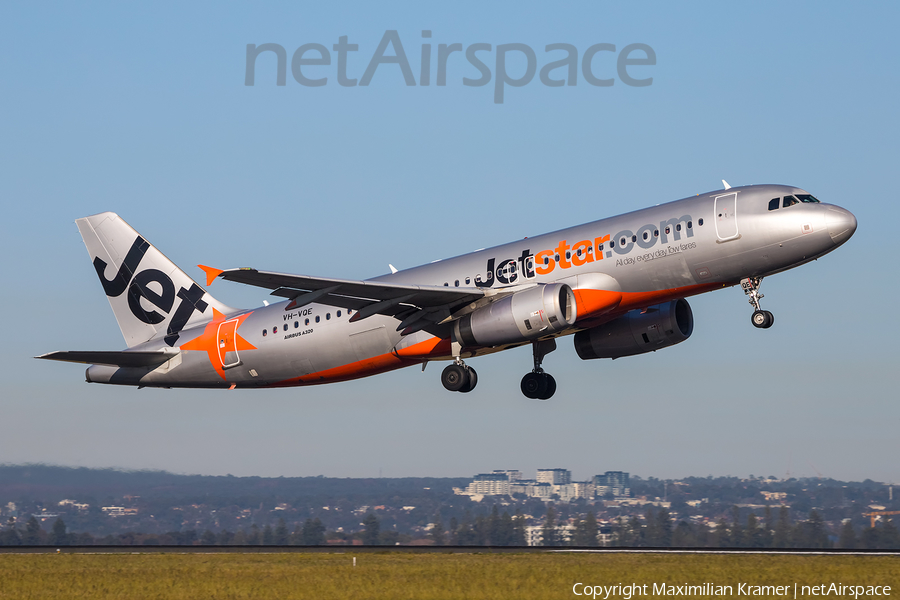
(489,484)
(554,476)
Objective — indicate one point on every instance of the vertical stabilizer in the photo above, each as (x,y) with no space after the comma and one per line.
(149,295)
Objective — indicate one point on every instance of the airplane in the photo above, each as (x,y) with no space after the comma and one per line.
(618,285)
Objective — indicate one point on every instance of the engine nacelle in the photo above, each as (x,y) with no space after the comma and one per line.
(519,317)
(638,332)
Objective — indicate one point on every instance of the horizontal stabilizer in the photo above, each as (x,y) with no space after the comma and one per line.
(114,359)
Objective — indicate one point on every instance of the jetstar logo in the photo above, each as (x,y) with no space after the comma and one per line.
(582,252)
(138,286)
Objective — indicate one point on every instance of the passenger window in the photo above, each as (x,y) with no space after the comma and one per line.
(678,227)
(690,225)
(446,284)
(296,324)
(773,203)
(265,333)
(646,236)
(789,201)
(468,281)
(700,222)
(274,330)
(478,279)
(317,318)
(339,314)
(328,316)
(306,322)
(529,267)
(456,283)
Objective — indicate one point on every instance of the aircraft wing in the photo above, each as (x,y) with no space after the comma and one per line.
(114,359)
(415,305)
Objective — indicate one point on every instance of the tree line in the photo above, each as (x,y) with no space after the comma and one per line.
(311,533)
(657,529)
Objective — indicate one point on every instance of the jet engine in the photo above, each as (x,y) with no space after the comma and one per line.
(519,317)
(638,331)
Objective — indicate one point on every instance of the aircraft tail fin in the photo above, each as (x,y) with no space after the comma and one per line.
(149,295)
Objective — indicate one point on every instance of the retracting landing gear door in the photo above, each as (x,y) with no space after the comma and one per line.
(227,340)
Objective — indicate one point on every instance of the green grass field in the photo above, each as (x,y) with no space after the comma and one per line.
(405,575)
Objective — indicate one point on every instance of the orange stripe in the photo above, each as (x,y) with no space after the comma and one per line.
(355,370)
(432,347)
(592,303)
(411,355)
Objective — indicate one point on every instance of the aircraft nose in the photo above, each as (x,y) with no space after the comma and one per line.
(841,224)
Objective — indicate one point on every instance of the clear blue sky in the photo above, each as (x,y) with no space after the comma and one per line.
(142,110)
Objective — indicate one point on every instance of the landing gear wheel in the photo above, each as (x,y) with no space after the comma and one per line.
(759,319)
(455,377)
(472,381)
(762,319)
(551,387)
(534,385)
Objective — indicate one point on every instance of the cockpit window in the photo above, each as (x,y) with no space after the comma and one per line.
(808,198)
(789,201)
(773,203)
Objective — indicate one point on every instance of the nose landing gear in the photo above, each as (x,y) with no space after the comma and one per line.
(538,385)
(762,319)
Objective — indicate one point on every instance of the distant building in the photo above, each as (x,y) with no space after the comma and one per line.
(489,484)
(554,476)
(612,482)
(522,486)
(575,490)
(541,490)
(534,534)
(119,511)
(549,484)
(774,495)
(511,474)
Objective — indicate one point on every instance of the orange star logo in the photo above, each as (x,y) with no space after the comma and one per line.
(219,338)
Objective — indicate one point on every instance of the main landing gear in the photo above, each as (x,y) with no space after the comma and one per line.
(762,319)
(459,377)
(537,384)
